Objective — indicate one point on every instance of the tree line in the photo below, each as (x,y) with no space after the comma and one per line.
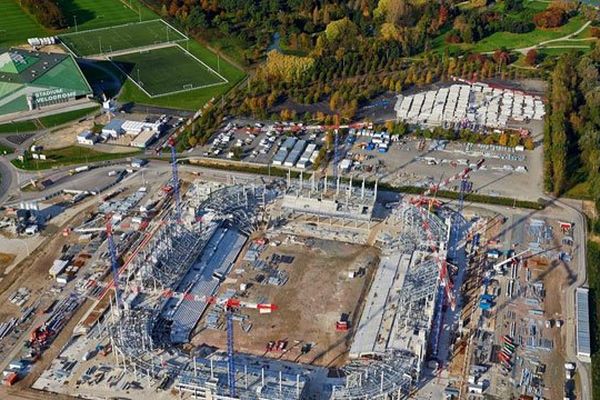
(572,128)
(46,12)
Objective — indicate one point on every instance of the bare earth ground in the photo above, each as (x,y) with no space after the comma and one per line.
(18,248)
(310,303)
(5,260)
(555,276)
(54,48)
(68,136)
(33,274)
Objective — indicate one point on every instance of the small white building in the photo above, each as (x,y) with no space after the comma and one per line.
(138,162)
(58,266)
(86,137)
(137,127)
(143,139)
(32,229)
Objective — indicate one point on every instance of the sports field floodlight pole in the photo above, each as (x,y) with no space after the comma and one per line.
(75,18)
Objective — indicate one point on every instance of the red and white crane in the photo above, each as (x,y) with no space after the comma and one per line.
(444,276)
(263,308)
(433,188)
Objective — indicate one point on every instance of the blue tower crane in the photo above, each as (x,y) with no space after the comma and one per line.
(114,262)
(230,357)
(335,153)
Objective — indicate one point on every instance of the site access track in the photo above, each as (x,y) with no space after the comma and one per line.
(545,43)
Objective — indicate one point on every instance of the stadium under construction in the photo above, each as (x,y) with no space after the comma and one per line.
(185,278)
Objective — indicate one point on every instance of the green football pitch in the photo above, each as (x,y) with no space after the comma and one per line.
(167,70)
(16,26)
(92,14)
(122,37)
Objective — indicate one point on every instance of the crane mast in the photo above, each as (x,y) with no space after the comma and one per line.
(114,262)
(175,179)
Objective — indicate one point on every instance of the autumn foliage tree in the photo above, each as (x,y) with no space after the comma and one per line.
(531,58)
(285,67)
(553,17)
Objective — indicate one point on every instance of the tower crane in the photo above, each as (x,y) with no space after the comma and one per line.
(114,262)
(230,305)
(499,265)
(175,179)
(420,201)
(335,152)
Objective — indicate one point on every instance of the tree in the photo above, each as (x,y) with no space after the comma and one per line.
(341,31)
(334,101)
(349,109)
(503,140)
(514,140)
(553,17)
(397,12)
(197,19)
(513,5)
(531,57)
(237,153)
(285,67)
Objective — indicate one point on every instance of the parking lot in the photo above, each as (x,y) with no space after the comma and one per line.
(406,161)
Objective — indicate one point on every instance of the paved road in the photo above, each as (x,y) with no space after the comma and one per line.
(7,179)
(580,233)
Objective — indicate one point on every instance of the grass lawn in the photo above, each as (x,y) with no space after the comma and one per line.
(92,14)
(558,52)
(49,121)
(530,6)
(167,70)
(98,41)
(519,40)
(21,126)
(232,47)
(17,26)
(510,40)
(194,99)
(58,119)
(69,156)
(576,44)
(580,191)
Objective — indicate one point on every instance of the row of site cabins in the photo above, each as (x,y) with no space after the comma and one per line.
(453,104)
(296,153)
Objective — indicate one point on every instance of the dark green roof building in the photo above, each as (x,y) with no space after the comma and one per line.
(31,80)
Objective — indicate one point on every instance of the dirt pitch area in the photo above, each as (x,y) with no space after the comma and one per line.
(317,293)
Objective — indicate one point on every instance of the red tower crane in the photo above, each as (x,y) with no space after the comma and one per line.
(420,202)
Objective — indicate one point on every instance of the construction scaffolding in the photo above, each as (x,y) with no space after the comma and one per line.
(342,203)
(193,260)
(399,312)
